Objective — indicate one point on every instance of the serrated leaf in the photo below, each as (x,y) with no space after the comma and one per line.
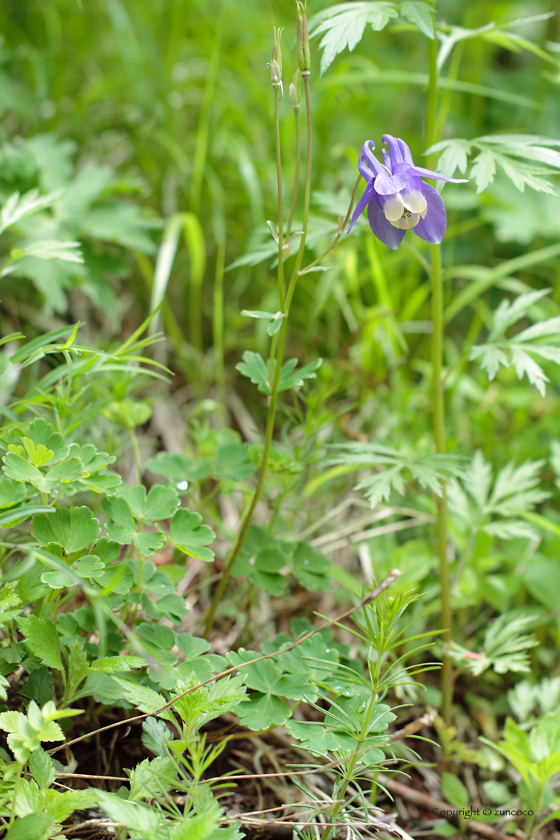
(17,207)
(254,367)
(78,667)
(130,815)
(144,698)
(114,664)
(40,685)
(49,249)
(204,704)
(421,15)
(156,736)
(342,26)
(73,529)
(483,170)
(42,768)
(151,777)
(31,827)
(41,637)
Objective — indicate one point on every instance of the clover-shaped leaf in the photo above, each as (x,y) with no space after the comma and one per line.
(160,503)
(188,535)
(310,567)
(73,529)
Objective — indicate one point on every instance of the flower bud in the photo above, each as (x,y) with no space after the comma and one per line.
(294,98)
(275,64)
(277,50)
(294,91)
(304,55)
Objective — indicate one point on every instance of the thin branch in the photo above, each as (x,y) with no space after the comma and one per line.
(393,575)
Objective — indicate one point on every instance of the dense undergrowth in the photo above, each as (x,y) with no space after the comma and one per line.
(279,504)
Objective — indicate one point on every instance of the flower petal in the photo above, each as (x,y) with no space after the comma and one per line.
(398,151)
(386,184)
(433,226)
(370,157)
(413,196)
(367,195)
(407,221)
(392,205)
(427,173)
(381,228)
(365,169)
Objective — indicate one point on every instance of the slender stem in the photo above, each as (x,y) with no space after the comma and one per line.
(350,767)
(218,325)
(296,174)
(438,386)
(242,534)
(246,523)
(439,437)
(281,289)
(341,229)
(136,451)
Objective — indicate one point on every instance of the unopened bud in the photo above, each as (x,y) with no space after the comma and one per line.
(304,55)
(294,90)
(277,49)
(294,98)
(275,64)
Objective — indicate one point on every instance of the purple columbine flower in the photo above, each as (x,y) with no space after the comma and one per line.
(396,197)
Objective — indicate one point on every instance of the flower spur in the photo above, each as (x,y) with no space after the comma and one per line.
(396,197)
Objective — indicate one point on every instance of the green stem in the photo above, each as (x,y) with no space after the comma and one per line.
(296,175)
(281,288)
(438,386)
(341,229)
(136,451)
(248,518)
(350,768)
(218,325)
(439,437)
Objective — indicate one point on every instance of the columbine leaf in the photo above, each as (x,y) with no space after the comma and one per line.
(310,567)
(233,461)
(421,15)
(342,26)
(483,170)
(73,529)
(290,378)
(16,207)
(49,249)
(178,467)
(189,535)
(254,367)
(519,350)
(260,711)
